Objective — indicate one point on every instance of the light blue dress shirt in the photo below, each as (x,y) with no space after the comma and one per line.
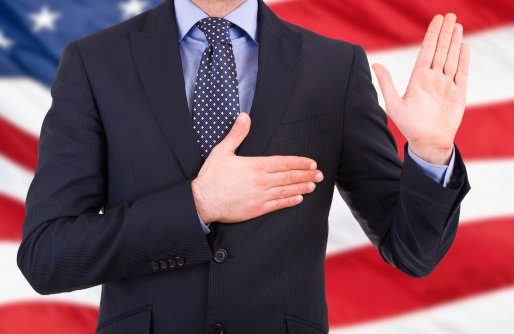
(192,43)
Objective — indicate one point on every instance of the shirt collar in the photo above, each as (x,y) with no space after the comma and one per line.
(244,16)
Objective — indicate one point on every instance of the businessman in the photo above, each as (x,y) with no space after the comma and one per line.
(189,158)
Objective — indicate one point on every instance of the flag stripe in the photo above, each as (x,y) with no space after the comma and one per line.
(47,318)
(14,180)
(24,102)
(379,24)
(488,81)
(485,313)
(18,145)
(494,123)
(19,289)
(370,285)
(11,219)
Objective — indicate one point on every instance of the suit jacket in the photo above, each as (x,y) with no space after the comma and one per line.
(118,138)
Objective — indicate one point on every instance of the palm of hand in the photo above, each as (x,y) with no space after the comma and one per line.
(431,110)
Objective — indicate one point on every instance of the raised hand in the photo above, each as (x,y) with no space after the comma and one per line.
(231,188)
(431,110)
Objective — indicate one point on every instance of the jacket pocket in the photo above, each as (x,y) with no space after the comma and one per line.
(137,321)
(301,128)
(299,326)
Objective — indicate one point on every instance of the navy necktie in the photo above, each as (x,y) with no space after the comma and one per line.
(216,96)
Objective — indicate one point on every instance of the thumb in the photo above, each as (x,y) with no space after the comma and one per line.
(237,134)
(385,81)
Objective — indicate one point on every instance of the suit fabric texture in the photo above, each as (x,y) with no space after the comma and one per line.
(118,138)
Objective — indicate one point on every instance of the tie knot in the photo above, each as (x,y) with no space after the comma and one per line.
(216,29)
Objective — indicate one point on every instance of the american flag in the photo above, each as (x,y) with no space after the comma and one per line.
(472,289)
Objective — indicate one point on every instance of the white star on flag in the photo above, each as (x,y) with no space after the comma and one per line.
(132,8)
(5,43)
(45,19)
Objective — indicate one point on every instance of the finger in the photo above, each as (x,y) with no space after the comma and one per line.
(289,190)
(293,177)
(426,53)
(236,135)
(443,42)
(282,203)
(461,78)
(385,81)
(280,163)
(450,67)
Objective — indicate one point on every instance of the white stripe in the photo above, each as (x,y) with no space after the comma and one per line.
(15,288)
(486,313)
(25,102)
(14,179)
(491,195)
(491,68)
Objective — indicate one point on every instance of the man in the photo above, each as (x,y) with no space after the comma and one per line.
(119,138)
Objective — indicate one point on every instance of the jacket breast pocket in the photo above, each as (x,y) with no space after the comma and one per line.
(301,128)
(137,321)
(299,326)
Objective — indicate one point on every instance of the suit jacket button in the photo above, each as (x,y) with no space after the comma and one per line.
(216,329)
(220,255)
(180,261)
(154,265)
(163,264)
(172,263)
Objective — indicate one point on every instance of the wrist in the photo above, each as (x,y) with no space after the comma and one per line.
(432,154)
(200,203)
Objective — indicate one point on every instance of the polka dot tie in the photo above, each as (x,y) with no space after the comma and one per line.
(216,96)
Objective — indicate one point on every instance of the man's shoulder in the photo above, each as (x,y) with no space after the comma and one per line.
(113,36)
(318,40)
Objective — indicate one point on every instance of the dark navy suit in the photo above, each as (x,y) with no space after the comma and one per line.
(119,138)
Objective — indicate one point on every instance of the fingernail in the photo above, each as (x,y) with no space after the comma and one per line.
(299,198)
(311,185)
(241,119)
(313,165)
(319,177)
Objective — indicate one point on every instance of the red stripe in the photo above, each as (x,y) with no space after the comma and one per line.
(361,287)
(11,219)
(486,132)
(47,318)
(383,24)
(18,145)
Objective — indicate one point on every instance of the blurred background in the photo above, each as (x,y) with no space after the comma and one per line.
(472,289)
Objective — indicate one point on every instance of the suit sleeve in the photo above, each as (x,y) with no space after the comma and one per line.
(67,244)
(410,219)
(439,173)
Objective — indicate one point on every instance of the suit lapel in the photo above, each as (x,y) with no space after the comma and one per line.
(157,55)
(279,59)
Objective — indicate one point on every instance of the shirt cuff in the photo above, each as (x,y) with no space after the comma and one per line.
(205,228)
(438,173)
